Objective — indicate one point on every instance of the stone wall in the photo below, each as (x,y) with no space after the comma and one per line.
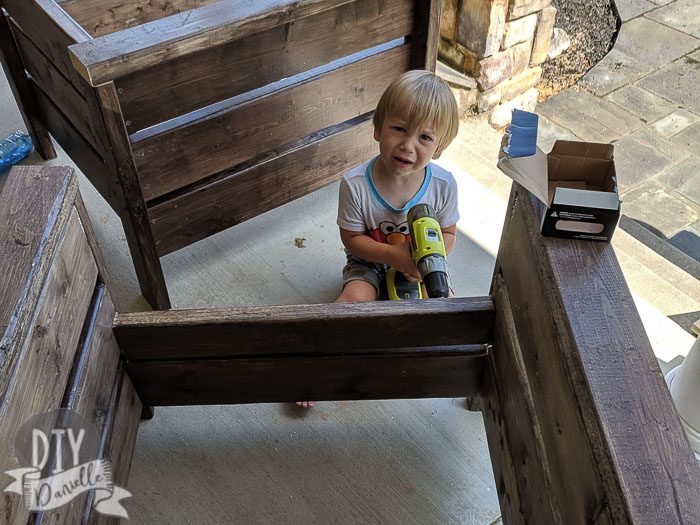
(501,44)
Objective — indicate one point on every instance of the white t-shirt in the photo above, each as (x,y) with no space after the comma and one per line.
(361,208)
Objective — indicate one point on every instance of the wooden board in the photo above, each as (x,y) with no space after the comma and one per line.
(287,378)
(118,54)
(19,85)
(520,463)
(321,329)
(100,17)
(62,93)
(190,151)
(118,441)
(89,388)
(52,31)
(193,81)
(239,196)
(40,372)
(614,444)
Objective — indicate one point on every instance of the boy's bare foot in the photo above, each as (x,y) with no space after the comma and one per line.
(305,404)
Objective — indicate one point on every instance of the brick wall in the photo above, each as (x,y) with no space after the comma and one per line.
(500,44)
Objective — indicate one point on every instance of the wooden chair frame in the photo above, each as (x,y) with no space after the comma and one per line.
(194,122)
(580,424)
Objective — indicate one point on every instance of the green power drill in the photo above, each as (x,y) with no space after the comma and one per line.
(429,254)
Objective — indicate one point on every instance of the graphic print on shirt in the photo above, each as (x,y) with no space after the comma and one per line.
(390,233)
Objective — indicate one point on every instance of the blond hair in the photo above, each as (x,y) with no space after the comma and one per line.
(423,99)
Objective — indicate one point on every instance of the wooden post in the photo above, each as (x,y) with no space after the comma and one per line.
(426,34)
(133,214)
(581,426)
(21,89)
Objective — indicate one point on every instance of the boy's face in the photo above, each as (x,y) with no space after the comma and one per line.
(405,151)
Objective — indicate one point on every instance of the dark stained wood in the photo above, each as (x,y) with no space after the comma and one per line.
(100,17)
(320,329)
(236,197)
(16,77)
(134,215)
(426,34)
(41,356)
(80,151)
(191,151)
(34,212)
(211,75)
(62,93)
(51,30)
(89,388)
(91,237)
(118,54)
(285,378)
(118,441)
(520,464)
(614,444)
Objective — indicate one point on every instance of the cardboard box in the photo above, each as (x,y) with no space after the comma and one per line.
(576,182)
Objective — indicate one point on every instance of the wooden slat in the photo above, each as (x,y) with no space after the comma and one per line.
(426,34)
(520,464)
(52,30)
(318,329)
(100,17)
(34,210)
(191,152)
(118,54)
(613,440)
(89,389)
(211,75)
(118,442)
(46,350)
(68,100)
(132,208)
(17,79)
(237,197)
(284,378)
(79,149)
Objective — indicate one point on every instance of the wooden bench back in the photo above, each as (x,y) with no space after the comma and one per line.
(57,347)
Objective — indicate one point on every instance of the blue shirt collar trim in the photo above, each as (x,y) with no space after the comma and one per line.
(377,196)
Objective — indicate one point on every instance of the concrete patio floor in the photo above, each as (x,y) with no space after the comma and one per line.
(344,462)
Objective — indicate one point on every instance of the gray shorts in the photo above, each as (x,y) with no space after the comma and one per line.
(357,269)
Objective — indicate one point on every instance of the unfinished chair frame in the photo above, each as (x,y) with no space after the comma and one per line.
(580,425)
(190,116)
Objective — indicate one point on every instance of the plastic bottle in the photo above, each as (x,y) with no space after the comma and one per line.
(14,148)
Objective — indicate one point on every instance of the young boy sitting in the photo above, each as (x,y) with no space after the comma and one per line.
(415,120)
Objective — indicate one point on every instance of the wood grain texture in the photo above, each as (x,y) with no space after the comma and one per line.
(118,54)
(241,195)
(14,71)
(118,441)
(133,214)
(51,30)
(319,329)
(67,99)
(193,81)
(520,463)
(35,206)
(284,378)
(89,388)
(46,350)
(426,34)
(610,430)
(192,151)
(100,17)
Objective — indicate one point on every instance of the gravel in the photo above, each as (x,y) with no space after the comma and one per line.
(592,26)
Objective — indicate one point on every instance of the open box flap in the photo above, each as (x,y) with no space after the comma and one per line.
(530,172)
(588,150)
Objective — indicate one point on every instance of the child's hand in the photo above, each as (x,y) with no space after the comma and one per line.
(402,260)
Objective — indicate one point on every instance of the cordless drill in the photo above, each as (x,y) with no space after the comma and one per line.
(428,251)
